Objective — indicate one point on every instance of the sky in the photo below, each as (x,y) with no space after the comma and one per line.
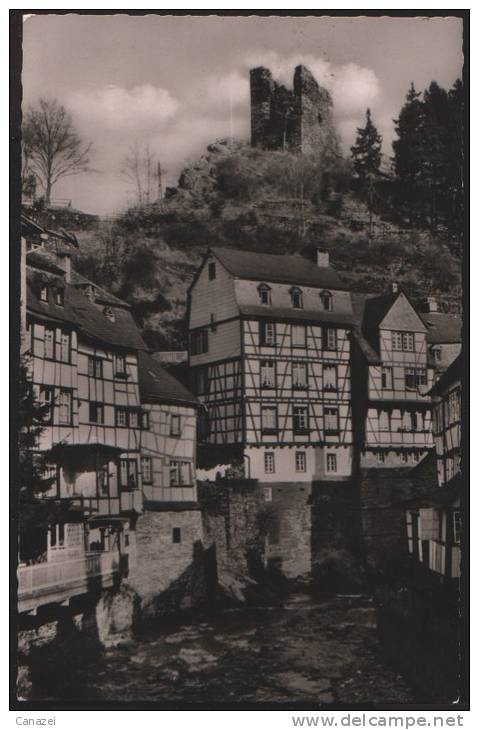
(179,83)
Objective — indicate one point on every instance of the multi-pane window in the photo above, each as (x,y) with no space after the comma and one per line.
(65,407)
(212,271)
(415,377)
(96,413)
(267,333)
(326,301)
(121,416)
(269,462)
(403,341)
(330,377)
(300,419)
(300,461)
(296,298)
(46,398)
(457,525)
(300,375)
(329,338)
(44,293)
(331,419)
(49,342)
(179,473)
(63,346)
(264,293)
(95,367)
(454,406)
(298,335)
(387,378)
(128,474)
(269,418)
(120,365)
(133,419)
(199,341)
(175,425)
(331,463)
(267,374)
(146,469)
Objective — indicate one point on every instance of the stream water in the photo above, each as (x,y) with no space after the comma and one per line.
(306,651)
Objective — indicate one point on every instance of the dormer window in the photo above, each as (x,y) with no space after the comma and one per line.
(296,297)
(59,297)
(109,314)
(436,353)
(44,293)
(327,301)
(264,292)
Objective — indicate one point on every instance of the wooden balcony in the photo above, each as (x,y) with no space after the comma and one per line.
(57,582)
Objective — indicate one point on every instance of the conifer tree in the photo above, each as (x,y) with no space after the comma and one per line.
(366,153)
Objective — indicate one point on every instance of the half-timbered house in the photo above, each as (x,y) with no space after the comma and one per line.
(170,526)
(443,335)
(434,519)
(270,358)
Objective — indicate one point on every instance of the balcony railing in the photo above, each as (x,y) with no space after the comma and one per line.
(58,581)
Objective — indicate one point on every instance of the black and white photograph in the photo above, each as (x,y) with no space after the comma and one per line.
(239,352)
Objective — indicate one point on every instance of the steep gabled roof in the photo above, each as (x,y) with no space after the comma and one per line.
(102,295)
(442,329)
(158,385)
(280,269)
(454,372)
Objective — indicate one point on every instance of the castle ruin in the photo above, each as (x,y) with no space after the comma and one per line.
(298,120)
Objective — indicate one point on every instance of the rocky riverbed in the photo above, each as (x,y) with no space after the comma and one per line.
(306,651)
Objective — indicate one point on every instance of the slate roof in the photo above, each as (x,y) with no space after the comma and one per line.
(280,269)
(454,372)
(41,259)
(80,312)
(442,329)
(158,385)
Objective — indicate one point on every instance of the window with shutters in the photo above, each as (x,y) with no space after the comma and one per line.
(269,462)
(300,375)
(267,374)
(330,377)
(331,420)
(298,335)
(331,463)
(300,419)
(300,461)
(146,469)
(264,293)
(65,407)
(267,333)
(269,419)
(329,338)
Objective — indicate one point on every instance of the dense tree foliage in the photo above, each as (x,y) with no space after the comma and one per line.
(366,152)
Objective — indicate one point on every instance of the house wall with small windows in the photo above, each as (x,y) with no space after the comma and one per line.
(168,453)
(212,293)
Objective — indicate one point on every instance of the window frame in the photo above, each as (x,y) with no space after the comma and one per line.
(296,295)
(304,339)
(269,462)
(326,333)
(120,410)
(264,289)
(271,366)
(304,384)
(297,465)
(143,461)
(93,362)
(332,367)
(325,415)
(299,429)
(122,371)
(175,432)
(177,465)
(211,270)
(264,328)
(59,297)
(332,458)
(50,389)
(100,408)
(62,392)
(44,293)
(326,296)
(127,488)
(269,429)
(385,371)
(51,341)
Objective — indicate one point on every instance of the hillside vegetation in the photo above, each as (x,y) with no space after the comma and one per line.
(275,202)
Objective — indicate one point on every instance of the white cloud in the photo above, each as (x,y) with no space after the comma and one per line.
(141,108)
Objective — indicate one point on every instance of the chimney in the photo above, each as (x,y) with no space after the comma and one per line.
(67,265)
(322,259)
(431,304)
(394,287)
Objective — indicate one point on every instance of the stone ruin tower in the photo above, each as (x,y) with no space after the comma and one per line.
(299,121)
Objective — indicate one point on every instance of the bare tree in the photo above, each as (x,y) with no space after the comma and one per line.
(141,169)
(52,145)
